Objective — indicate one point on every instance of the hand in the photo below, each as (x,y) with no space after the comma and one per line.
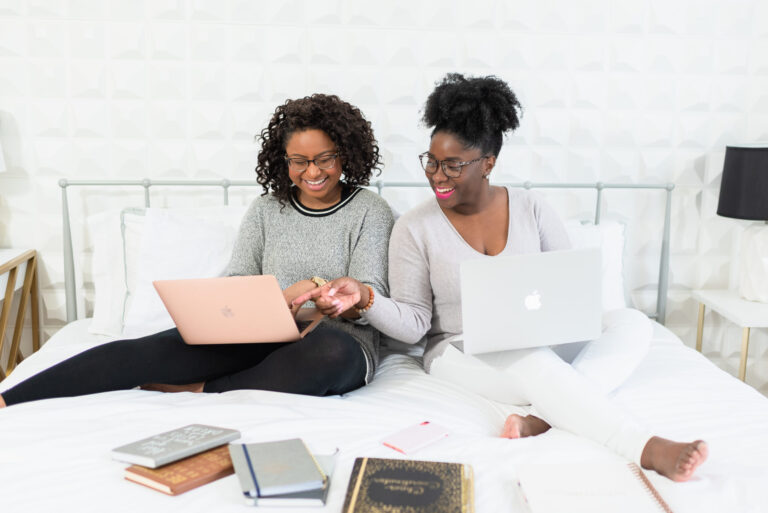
(327,304)
(290,293)
(337,296)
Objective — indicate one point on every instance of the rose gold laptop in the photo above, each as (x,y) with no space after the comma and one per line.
(233,310)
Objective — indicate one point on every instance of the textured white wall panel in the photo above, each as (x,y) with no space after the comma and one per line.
(639,91)
(209,11)
(87,79)
(129,158)
(47,79)
(757,127)
(167,9)
(168,80)
(127,40)
(127,79)
(87,40)
(87,9)
(209,156)
(171,158)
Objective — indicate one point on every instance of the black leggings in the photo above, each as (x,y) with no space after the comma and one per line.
(327,361)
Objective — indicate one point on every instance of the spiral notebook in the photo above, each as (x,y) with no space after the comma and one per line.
(589,487)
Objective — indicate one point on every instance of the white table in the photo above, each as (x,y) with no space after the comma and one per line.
(13,264)
(745,314)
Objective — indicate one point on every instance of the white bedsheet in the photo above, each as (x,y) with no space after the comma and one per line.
(55,454)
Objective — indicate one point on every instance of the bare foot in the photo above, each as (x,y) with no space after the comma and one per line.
(161,387)
(2,402)
(517,426)
(675,460)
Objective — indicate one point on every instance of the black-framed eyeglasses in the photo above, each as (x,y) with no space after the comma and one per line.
(451,168)
(299,165)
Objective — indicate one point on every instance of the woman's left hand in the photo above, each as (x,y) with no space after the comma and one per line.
(294,291)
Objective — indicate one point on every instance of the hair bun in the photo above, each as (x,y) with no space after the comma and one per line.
(473,108)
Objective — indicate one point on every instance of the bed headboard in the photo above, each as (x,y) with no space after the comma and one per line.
(147,184)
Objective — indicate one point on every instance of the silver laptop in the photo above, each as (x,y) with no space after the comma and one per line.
(531,300)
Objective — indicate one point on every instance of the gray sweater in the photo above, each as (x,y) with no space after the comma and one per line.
(424,256)
(294,243)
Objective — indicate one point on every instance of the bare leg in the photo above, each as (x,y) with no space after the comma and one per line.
(518,426)
(675,460)
(563,397)
(161,387)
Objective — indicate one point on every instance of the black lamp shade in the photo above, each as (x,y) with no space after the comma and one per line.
(744,188)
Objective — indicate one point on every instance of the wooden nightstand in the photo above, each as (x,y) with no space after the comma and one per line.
(745,314)
(12,263)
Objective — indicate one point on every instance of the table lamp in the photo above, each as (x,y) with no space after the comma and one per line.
(744,195)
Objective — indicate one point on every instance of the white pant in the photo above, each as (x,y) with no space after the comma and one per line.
(568,396)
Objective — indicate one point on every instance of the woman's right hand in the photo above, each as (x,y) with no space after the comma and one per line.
(337,296)
(296,290)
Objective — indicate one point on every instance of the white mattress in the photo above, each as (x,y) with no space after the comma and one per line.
(55,454)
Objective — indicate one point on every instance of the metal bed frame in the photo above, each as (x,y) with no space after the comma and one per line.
(147,184)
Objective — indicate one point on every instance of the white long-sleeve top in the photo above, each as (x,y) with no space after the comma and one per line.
(425,252)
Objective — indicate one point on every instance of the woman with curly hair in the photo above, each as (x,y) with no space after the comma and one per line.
(469,218)
(313,220)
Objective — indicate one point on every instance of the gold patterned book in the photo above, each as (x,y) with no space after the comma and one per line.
(186,474)
(389,485)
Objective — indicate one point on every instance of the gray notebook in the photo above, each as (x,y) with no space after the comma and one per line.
(164,448)
(279,470)
(301,499)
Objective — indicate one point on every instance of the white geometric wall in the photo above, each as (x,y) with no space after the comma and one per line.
(634,91)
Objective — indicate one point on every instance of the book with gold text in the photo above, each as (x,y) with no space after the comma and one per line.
(378,484)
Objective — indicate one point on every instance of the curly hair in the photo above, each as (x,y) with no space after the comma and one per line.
(344,124)
(478,110)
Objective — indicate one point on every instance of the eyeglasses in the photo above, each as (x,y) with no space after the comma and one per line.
(450,168)
(299,165)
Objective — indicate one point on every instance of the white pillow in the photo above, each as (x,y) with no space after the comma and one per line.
(177,243)
(132,225)
(134,247)
(609,236)
(116,244)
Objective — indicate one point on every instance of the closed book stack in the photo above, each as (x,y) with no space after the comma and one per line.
(185,474)
(378,484)
(281,473)
(164,448)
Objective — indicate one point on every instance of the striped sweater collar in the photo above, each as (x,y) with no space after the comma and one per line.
(347,193)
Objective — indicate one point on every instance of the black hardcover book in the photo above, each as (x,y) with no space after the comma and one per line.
(378,484)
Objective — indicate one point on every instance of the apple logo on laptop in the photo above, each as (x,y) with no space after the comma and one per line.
(227,312)
(533,300)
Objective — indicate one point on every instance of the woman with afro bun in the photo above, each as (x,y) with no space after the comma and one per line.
(469,218)
(314,220)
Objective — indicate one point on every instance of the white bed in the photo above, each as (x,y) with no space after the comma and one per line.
(55,454)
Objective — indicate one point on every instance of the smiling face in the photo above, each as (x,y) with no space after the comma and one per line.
(470,190)
(316,188)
